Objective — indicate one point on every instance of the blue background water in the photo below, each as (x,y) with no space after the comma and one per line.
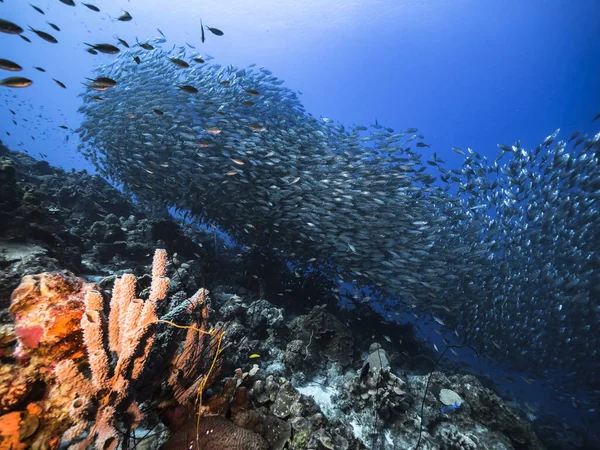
(467,73)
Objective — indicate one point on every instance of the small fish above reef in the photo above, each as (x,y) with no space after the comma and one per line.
(9,27)
(109,49)
(180,63)
(5,64)
(188,89)
(214,31)
(37,9)
(103,81)
(125,17)
(45,36)
(92,7)
(146,46)
(122,41)
(16,82)
(62,85)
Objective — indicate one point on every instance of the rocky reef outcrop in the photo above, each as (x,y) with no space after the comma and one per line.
(51,220)
(363,397)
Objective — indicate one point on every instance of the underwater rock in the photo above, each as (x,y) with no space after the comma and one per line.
(255,329)
(324,439)
(15,385)
(47,309)
(378,359)
(152,437)
(7,337)
(488,409)
(52,220)
(8,180)
(105,232)
(324,333)
(376,389)
(385,411)
(263,314)
(257,315)
(42,167)
(273,408)
(295,355)
(232,305)
(483,416)
(456,441)
(10,425)
(276,432)
(265,390)
(286,402)
(105,252)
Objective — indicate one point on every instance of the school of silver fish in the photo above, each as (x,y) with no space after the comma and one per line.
(505,251)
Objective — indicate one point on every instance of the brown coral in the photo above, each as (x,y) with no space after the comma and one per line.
(215,433)
(14,387)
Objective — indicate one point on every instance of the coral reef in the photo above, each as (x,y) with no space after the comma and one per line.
(481,419)
(119,365)
(47,309)
(95,368)
(274,410)
(134,352)
(330,401)
(52,220)
(216,433)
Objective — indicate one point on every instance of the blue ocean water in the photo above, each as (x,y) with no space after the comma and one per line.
(465,73)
